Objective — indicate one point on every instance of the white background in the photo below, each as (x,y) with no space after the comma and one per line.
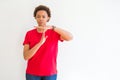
(93,54)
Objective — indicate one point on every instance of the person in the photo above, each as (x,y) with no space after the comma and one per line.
(41,46)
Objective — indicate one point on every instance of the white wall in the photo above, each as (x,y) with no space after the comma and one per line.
(93,54)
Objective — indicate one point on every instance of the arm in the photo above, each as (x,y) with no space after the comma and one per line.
(28,53)
(64,35)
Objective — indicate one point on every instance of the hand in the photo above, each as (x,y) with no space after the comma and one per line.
(44,27)
(43,38)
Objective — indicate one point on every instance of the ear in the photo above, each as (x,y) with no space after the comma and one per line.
(35,18)
(48,19)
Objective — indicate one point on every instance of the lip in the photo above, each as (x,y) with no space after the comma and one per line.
(40,21)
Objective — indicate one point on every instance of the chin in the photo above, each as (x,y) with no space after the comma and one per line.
(41,24)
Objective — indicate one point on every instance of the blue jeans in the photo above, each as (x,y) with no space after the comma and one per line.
(33,77)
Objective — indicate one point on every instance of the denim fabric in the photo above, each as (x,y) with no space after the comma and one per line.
(33,77)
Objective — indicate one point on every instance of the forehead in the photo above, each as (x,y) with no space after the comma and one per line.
(41,12)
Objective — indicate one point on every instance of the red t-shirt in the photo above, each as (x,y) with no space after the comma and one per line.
(43,62)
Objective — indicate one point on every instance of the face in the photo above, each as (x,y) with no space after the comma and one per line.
(42,17)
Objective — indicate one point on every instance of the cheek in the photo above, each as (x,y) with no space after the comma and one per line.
(46,20)
(37,20)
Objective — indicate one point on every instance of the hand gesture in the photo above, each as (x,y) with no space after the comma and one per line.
(44,27)
(43,38)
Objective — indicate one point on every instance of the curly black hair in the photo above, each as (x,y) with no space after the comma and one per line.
(42,7)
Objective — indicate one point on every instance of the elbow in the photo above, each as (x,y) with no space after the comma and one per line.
(69,38)
(25,57)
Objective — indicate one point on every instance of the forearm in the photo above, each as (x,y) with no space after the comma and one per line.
(65,35)
(29,53)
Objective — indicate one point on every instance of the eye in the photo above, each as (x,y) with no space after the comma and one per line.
(37,16)
(43,16)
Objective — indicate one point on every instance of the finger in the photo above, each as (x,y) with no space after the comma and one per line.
(48,27)
(45,29)
(46,37)
(40,27)
(43,34)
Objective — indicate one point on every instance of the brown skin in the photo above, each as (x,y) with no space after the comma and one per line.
(42,18)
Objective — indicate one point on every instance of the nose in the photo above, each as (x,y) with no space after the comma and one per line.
(41,18)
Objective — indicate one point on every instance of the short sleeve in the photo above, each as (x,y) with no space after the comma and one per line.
(26,39)
(58,37)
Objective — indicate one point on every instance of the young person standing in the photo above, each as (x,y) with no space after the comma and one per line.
(41,46)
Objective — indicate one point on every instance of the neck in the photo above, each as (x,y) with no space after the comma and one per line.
(40,30)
